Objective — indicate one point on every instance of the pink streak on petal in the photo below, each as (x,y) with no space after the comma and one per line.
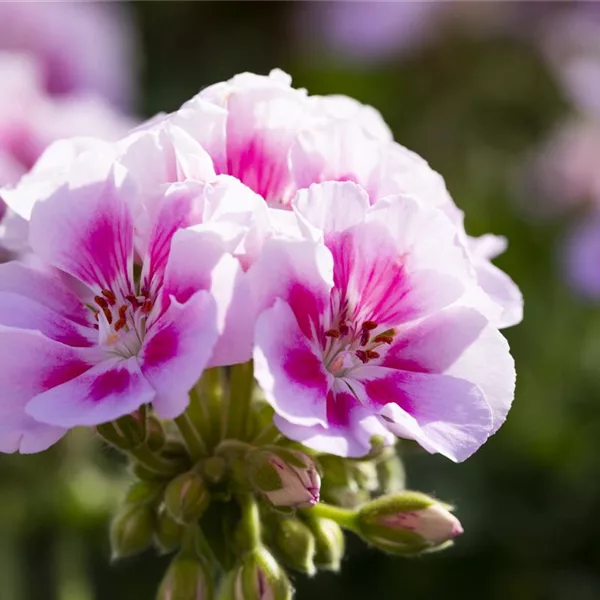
(110,383)
(339,408)
(302,365)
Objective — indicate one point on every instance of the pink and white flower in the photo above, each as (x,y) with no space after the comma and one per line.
(367,328)
(86,337)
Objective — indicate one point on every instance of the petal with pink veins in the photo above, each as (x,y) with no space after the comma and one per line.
(177,349)
(291,375)
(87,232)
(442,413)
(111,389)
(462,343)
(30,364)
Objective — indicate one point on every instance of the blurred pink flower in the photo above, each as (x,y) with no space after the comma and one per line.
(30,120)
(581,257)
(87,47)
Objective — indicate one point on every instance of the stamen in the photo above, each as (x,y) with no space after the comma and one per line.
(101,302)
(364,338)
(369,325)
(343,328)
(363,356)
(110,296)
(133,300)
(372,354)
(107,314)
(147,306)
(384,339)
(334,333)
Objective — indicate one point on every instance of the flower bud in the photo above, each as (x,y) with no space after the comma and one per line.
(257,577)
(187,497)
(156,434)
(187,578)
(295,545)
(131,530)
(390,472)
(329,543)
(287,478)
(143,492)
(126,433)
(407,523)
(169,533)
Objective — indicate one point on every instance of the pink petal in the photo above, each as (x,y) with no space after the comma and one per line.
(29,365)
(330,207)
(44,287)
(291,375)
(87,232)
(299,272)
(112,389)
(442,413)
(460,342)
(377,279)
(177,349)
(261,127)
(22,313)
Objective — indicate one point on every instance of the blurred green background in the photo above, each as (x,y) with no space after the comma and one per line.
(474,107)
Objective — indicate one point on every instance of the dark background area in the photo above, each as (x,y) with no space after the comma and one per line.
(474,107)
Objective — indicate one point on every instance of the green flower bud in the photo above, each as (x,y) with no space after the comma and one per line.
(169,533)
(365,475)
(257,577)
(285,477)
(329,543)
(126,433)
(187,578)
(187,497)
(295,544)
(131,530)
(406,523)
(143,492)
(155,434)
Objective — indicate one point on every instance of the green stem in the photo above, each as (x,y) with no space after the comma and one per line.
(206,410)
(153,462)
(250,522)
(72,568)
(191,436)
(241,387)
(269,435)
(344,517)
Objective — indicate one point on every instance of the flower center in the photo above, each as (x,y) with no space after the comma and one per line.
(350,346)
(121,320)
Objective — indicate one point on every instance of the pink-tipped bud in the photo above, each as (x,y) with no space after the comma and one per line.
(287,478)
(407,523)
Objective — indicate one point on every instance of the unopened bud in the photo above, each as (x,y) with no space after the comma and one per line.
(340,486)
(329,543)
(155,437)
(287,478)
(126,433)
(187,578)
(169,533)
(187,497)
(295,544)
(143,492)
(407,523)
(257,577)
(131,530)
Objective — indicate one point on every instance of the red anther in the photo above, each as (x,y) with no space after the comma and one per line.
(107,314)
(101,302)
(334,333)
(372,354)
(110,296)
(363,356)
(144,293)
(122,311)
(384,339)
(364,338)
(120,324)
(369,325)
(133,300)
(96,326)
(344,329)
(147,306)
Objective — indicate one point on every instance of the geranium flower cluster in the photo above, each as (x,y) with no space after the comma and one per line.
(256,223)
